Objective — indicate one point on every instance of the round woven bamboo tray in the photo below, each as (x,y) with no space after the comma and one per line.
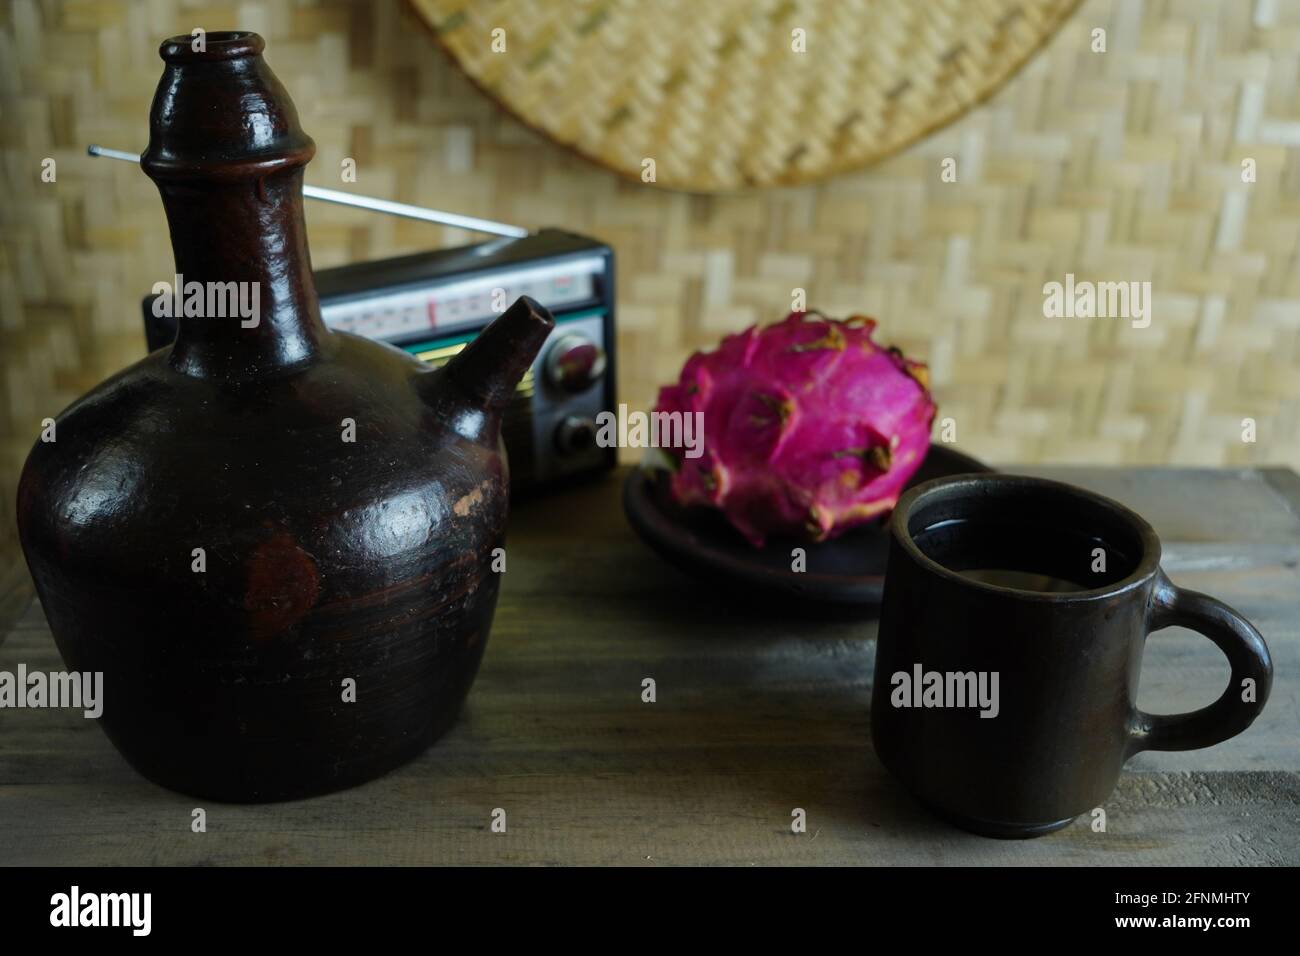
(717,95)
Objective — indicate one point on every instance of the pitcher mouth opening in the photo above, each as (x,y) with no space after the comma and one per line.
(208,76)
(992,532)
(218,45)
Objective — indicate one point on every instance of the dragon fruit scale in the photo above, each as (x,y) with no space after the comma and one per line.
(809,427)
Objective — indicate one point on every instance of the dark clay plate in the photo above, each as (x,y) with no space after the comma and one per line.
(847,571)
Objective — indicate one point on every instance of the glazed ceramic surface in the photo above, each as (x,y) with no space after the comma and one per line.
(1056,670)
(275,541)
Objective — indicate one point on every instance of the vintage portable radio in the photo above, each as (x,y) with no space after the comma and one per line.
(431,304)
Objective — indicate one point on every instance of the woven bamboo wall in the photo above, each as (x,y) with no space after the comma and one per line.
(1123,165)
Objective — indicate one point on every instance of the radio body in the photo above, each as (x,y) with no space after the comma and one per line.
(432,304)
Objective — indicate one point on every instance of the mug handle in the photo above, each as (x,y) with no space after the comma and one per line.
(1247,655)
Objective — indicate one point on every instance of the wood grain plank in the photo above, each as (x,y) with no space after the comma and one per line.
(756,713)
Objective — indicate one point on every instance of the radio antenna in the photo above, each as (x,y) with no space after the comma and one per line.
(372,203)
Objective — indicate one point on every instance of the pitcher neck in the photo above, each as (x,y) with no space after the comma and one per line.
(227,153)
(247,304)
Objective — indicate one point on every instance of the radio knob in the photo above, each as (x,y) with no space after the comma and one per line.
(575,435)
(574,363)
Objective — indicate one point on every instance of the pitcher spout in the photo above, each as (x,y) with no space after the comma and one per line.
(487,370)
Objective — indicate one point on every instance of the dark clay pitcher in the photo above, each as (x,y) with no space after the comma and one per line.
(274,540)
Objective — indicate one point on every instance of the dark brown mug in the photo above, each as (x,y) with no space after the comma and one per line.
(1013,622)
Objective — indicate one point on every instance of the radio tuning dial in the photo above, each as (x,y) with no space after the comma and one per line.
(574,363)
(575,435)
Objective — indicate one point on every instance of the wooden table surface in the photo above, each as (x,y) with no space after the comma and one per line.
(756,714)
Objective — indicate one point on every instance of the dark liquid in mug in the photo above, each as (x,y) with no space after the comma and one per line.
(1027,556)
(1021,580)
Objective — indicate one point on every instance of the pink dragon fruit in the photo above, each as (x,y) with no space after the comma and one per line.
(810,428)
